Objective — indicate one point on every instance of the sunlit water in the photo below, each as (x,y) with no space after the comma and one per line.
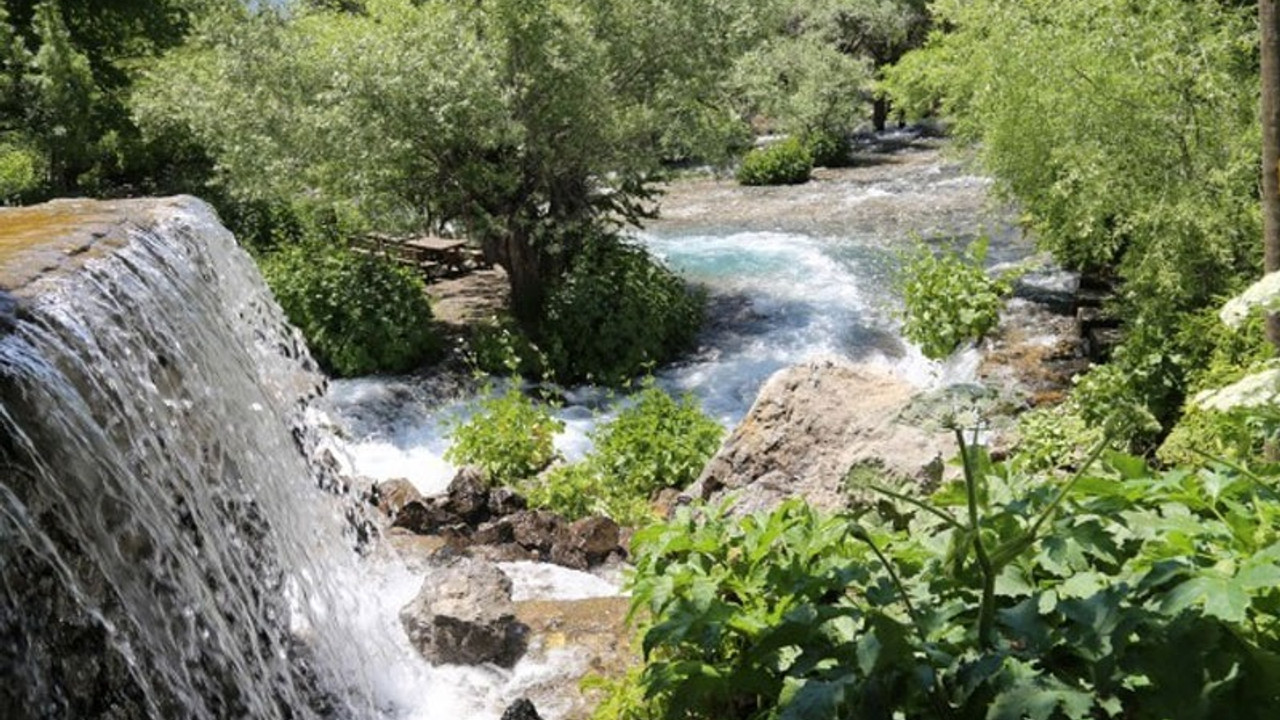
(805,284)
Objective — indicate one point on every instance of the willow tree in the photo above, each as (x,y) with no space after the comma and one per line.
(515,121)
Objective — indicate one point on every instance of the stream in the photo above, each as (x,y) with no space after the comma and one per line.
(793,274)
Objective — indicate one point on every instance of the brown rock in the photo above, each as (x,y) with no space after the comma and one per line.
(424,517)
(469,495)
(596,536)
(537,529)
(391,495)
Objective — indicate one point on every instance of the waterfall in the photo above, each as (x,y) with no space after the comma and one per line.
(164,549)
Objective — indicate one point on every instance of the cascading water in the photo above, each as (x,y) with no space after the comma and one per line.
(164,550)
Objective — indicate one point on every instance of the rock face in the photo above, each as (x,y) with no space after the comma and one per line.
(809,426)
(463,615)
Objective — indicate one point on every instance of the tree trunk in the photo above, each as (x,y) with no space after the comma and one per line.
(1270,46)
(514,252)
(879,112)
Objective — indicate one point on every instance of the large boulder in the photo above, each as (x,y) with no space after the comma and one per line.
(810,426)
(463,615)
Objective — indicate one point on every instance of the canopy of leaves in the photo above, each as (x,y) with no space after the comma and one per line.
(1128,132)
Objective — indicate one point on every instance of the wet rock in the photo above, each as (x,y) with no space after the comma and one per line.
(522,709)
(600,636)
(595,537)
(809,426)
(505,501)
(537,530)
(425,517)
(391,496)
(469,495)
(8,312)
(1054,289)
(463,615)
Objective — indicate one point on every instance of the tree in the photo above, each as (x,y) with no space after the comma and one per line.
(70,66)
(1269,24)
(65,93)
(1127,130)
(881,31)
(520,122)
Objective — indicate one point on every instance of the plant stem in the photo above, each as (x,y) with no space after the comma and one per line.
(987,611)
(1062,494)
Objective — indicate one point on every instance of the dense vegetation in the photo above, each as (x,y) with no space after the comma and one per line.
(360,314)
(1068,581)
(1119,592)
(1128,133)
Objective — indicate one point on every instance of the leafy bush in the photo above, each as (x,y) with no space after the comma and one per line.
(828,149)
(949,298)
(656,442)
(1052,438)
(783,163)
(359,314)
(499,347)
(1121,593)
(19,171)
(509,437)
(615,313)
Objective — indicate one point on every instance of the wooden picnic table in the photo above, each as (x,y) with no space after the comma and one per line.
(433,256)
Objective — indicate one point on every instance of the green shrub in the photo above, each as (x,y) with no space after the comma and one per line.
(656,442)
(828,149)
(949,298)
(787,162)
(615,313)
(1123,593)
(510,437)
(499,347)
(20,171)
(359,314)
(1053,438)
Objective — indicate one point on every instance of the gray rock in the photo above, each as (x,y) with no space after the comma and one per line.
(463,615)
(809,426)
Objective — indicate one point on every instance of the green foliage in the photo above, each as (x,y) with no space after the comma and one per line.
(1233,354)
(1128,133)
(499,347)
(787,162)
(615,313)
(1053,438)
(828,149)
(1004,596)
(802,84)
(510,437)
(20,172)
(359,314)
(949,298)
(655,442)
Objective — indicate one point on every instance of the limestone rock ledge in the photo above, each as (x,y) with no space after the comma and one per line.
(809,426)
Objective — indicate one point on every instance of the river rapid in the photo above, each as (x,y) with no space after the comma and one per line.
(793,274)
